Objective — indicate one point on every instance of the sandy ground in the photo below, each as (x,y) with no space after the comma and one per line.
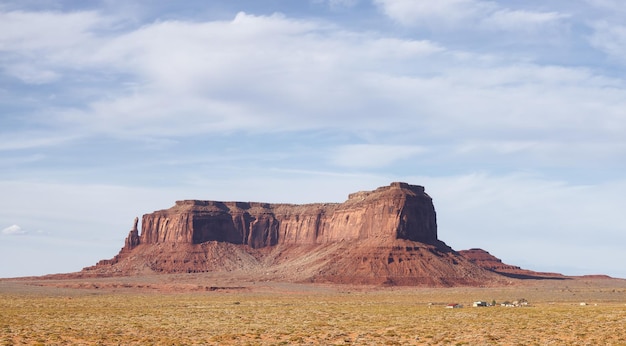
(222,309)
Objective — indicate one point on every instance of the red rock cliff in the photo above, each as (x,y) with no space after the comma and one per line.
(386,236)
(398,211)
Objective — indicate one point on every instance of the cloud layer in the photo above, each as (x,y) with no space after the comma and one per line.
(265,74)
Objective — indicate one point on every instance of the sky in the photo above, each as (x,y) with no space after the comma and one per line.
(512,114)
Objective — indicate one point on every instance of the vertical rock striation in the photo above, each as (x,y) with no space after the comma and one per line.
(398,211)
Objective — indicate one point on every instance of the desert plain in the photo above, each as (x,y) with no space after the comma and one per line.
(370,271)
(216,309)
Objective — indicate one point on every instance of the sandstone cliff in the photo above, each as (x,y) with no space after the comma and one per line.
(398,211)
(385,236)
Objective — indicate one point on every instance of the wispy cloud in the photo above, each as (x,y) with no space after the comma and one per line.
(611,39)
(22,31)
(467,15)
(444,13)
(373,155)
(337,4)
(522,21)
(223,76)
(610,6)
(31,74)
(29,139)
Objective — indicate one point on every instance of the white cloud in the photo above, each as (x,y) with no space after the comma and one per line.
(31,74)
(372,155)
(40,47)
(13,230)
(33,139)
(612,6)
(429,13)
(243,74)
(611,39)
(522,21)
(475,101)
(266,74)
(40,31)
(467,15)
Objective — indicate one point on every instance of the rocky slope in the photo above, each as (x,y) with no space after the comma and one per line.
(486,260)
(385,236)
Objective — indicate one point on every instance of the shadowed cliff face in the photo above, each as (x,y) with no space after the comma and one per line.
(398,211)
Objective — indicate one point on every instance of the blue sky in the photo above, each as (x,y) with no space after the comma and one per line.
(511,114)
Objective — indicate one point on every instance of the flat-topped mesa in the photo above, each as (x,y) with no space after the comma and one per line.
(398,211)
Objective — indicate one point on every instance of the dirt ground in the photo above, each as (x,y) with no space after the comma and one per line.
(218,309)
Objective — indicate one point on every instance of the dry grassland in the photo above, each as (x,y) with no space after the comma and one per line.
(310,315)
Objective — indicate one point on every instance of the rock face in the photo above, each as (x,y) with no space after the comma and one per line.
(133,237)
(398,211)
(130,243)
(385,236)
(488,261)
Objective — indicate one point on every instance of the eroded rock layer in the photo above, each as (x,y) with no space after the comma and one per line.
(398,211)
(385,236)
